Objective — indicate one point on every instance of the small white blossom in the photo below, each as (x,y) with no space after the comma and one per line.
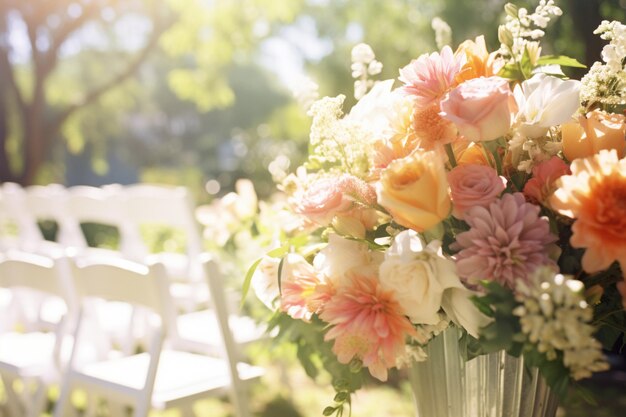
(364,64)
(443,32)
(520,28)
(555,317)
(306,92)
(605,83)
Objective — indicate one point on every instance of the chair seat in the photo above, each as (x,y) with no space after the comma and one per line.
(27,354)
(202,327)
(180,375)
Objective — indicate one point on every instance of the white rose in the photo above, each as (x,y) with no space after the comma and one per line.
(545,101)
(424,281)
(341,255)
(417,274)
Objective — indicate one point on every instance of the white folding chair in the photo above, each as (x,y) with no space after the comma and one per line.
(105,206)
(159,377)
(29,237)
(50,202)
(32,357)
(199,331)
(171,208)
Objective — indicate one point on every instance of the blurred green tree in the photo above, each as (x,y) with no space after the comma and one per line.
(110,40)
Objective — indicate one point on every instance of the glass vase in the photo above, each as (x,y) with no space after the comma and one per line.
(492,385)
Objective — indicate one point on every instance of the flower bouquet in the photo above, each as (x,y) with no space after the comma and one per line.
(481,195)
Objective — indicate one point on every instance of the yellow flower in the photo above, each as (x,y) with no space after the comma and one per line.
(414,190)
(479,62)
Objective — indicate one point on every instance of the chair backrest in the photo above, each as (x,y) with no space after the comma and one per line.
(32,279)
(117,279)
(26,270)
(105,205)
(166,206)
(50,202)
(95,205)
(14,206)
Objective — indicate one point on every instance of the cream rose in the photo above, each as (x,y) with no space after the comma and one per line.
(473,185)
(481,108)
(414,190)
(341,255)
(423,281)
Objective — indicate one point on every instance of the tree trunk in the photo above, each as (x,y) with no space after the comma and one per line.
(5,170)
(586,17)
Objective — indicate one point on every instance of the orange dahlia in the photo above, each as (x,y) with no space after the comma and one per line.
(595,195)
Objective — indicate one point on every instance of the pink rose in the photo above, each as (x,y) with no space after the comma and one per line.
(541,185)
(328,197)
(481,108)
(473,185)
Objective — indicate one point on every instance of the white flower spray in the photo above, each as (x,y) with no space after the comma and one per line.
(521,30)
(555,316)
(364,64)
(605,83)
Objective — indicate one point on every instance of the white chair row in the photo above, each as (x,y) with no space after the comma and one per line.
(126,208)
(162,376)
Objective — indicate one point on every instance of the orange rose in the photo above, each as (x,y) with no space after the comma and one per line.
(415,190)
(472,153)
(598,130)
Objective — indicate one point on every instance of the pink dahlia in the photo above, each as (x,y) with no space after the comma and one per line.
(429,77)
(368,324)
(507,241)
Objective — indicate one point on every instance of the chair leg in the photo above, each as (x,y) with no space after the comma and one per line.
(37,404)
(117,409)
(91,406)
(13,401)
(60,408)
(186,410)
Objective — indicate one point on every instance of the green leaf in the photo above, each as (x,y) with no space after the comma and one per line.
(526,66)
(561,60)
(511,72)
(278,252)
(341,396)
(483,306)
(585,394)
(280,275)
(248,280)
(329,411)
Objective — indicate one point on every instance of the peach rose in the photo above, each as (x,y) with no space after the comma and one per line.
(598,130)
(329,197)
(473,185)
(415,190)
(541,185)
(481,108)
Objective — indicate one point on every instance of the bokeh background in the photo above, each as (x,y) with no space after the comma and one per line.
(200,93)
